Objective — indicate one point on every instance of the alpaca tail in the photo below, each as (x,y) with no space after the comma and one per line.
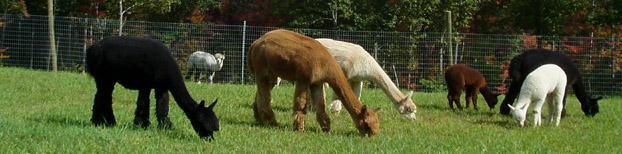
(249,60)
(90,61)
(93,59)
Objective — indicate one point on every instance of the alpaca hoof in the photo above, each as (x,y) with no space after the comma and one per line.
(165,124)
(274,124)
(299,129)
(335,107)
(326,129)
(103,122)
(142,122)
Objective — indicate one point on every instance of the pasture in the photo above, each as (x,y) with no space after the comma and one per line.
(49,112)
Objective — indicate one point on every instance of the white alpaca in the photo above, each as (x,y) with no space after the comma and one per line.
(359,65)
(201,62)
(546,83)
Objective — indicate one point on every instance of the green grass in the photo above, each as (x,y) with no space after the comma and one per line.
(49,112)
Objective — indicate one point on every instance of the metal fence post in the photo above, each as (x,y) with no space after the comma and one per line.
(243,50)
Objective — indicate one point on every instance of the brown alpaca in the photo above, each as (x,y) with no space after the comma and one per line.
(460,76)
(295,57)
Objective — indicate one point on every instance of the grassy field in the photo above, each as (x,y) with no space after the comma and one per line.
(49,112)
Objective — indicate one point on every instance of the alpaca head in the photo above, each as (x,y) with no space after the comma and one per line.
(492,101)
(220,58)
(406,107)
(205,122)
(367,123)
(519,114)
(591,107)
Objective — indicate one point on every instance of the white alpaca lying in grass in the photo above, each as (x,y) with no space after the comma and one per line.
(359,65)
(546,83)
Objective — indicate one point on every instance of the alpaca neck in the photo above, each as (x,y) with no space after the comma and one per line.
(579,91)
(181,95)
(384,82)
(346,95)
(486,92)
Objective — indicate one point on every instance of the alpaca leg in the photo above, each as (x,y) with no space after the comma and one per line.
(211,77)
(162,107)
(557,106)
(457,99)
(102,106)
(563,111)
(189,72)
(198,76)
(142,109)
(262,105)
(511,95)
(450,99)
(468,96)
(454,97)
(300,100)
(474,95)
(310,106)
(551,105)
(318,94)
(357,88)
(537,111)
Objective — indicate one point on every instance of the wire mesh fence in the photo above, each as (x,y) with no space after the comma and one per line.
(413,60)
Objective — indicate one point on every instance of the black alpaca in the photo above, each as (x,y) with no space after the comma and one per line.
(142,64)
(528,61)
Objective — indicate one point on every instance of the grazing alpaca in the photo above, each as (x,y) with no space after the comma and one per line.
(295,57)
(546,83)
(528,61)
(460,76)
(142,65)
(201,62)
(358,65)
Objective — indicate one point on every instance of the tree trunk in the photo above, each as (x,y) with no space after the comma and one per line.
(51,29)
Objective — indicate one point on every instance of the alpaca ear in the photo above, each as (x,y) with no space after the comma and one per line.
(524,107)
(210,107)
(511,107)
(408,96)
(202,104)
(377,110)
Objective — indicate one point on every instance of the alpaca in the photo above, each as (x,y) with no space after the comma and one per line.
(295,57)
(142,64)
(358,65)
(546,83)
(461,76)
(201,62)
(526,62)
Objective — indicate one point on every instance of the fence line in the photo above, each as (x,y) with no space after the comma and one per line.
(414,60)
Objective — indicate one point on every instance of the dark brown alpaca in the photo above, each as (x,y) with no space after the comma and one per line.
(295,57)
(460,76)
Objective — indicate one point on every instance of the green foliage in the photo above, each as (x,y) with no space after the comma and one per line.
(48,112)
(435,84)
(538,17)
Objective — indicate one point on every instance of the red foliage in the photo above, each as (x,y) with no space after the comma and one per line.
(504,75)
(530,41)
(256,13)
(502,89)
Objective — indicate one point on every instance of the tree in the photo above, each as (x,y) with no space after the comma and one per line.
(10,6)
(51,33)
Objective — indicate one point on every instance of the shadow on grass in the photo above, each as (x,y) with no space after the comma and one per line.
(63,121)
(276,108)
(502,123)
(286,127)
(433,107)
